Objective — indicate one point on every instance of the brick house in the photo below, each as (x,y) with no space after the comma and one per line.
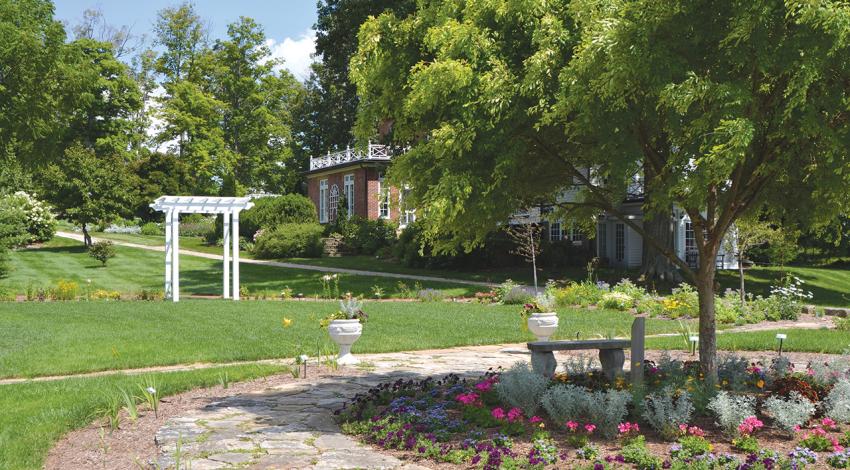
(355,179)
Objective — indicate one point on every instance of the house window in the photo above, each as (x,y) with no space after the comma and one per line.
(620,242)
(603,240)
(383,198)
(348,189)
(555,233)
(409,215)
(575,235)
(333,205)
(691,255)
(323,201)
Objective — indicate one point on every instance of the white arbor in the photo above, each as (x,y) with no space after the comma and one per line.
(229,207)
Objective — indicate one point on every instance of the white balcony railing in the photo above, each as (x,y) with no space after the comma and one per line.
(372,152)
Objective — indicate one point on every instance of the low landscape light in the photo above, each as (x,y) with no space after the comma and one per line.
(781,337)
(694,340)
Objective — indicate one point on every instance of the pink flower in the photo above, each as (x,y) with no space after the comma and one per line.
(683,427)
(589,428)
(626,428)
(797,428)
(572,426)
(535,419)
(750,425)
(467,398)
(828,423)
(696,431)
(498,413)
(484,386)
(819,432)
(514,414)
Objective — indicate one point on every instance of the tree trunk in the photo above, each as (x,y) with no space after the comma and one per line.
(741,275)
(86,236)
(704,281)
(656,266)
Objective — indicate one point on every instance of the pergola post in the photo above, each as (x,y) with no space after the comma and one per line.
(168,247)
(235,228)
(226,243)
(175,241)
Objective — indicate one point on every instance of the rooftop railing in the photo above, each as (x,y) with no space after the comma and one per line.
(372,152)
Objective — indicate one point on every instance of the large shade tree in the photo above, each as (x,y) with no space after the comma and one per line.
(725,106)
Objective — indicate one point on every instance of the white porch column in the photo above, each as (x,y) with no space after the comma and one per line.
(226,243)
(168,255)
(175,251)
(235,228)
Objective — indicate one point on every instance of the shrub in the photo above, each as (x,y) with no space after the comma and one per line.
(626,286)
(13,225)
(837,403)
(102,294)
(842,324)
(102,251)
(522,388)
(606,409)
(731,410)
(290,240)
(665,412)
(152,228)
(636,452)
(579,293)
(7,294)
(40,221)
(682,302)
(511,293)
(364,236)
(431,295)
(616,301)
(271,212)
(790,413)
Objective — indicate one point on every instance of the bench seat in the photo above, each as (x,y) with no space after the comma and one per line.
(612,354)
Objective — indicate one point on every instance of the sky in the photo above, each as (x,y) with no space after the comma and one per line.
(288,23)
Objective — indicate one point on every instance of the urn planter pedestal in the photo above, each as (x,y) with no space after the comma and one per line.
(543,325)
(344,333)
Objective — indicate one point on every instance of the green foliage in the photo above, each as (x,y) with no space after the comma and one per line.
(636,453)
(363,236)
(583,293)
(501,102)
(290,240)
(152,228)
(102,251)
(269,212)
(13,225)
(88,189)
(40,222)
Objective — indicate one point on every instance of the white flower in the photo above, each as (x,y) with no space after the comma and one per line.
(303,357)
(151,390)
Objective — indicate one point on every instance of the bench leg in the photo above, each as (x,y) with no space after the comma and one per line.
(612,361)
(543,362)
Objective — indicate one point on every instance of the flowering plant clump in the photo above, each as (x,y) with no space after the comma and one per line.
(839,459)
(579,434)
(818,439)
(350,308)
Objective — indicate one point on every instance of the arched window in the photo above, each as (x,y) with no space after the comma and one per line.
(334,201)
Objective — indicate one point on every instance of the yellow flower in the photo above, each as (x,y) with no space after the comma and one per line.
(287,322)
(760,383)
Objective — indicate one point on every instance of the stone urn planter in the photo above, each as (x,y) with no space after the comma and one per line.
(344,333)
(543,325)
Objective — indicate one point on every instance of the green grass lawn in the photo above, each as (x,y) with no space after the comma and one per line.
(830,286)
(71,337)
(36,414)
(800,340)
(134,269)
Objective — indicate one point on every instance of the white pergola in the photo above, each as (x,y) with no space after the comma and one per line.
(173,206)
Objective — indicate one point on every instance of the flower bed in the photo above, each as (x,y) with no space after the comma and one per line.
(756,417)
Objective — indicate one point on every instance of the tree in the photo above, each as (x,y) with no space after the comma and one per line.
(507,103)
(87,189)
(102,251)
(31,55)
(526,238)
(329,107)
(95,27)
(256,109)
(746,234)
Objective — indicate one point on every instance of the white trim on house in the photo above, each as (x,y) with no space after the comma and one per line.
(348,190)
(323,201)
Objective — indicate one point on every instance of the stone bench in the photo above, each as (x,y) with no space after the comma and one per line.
(611,353)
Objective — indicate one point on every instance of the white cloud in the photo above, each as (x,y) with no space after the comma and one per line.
(297,54)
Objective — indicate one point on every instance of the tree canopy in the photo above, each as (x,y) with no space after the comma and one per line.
(731,106)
